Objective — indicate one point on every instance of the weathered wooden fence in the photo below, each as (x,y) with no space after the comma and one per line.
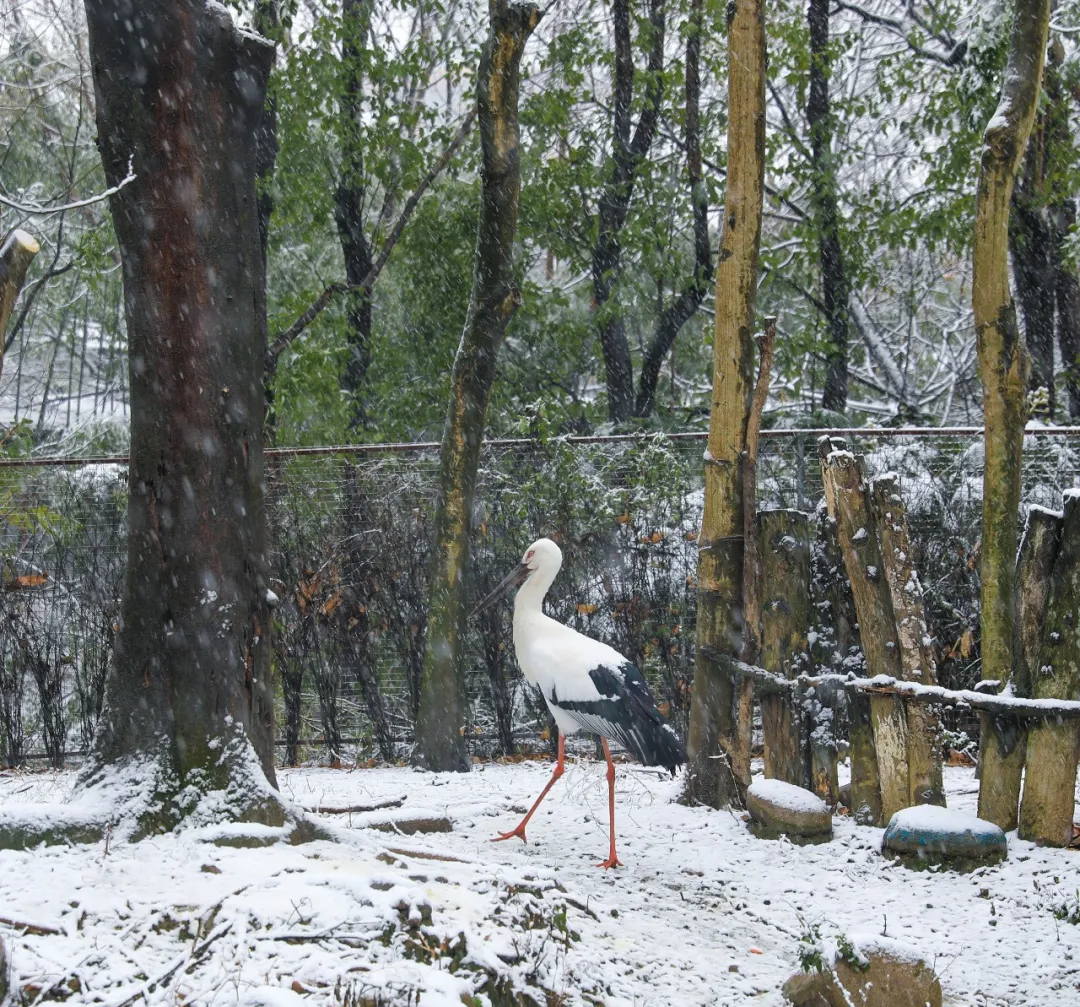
(893,703)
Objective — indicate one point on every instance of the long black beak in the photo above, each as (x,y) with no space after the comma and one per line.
(515,578)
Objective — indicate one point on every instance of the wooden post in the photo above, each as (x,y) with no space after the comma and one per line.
(877,626)
(1004,738)
(925,785)
(15,258)
(1046,812)
(784,537)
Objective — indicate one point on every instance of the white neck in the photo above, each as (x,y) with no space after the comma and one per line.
(530,597)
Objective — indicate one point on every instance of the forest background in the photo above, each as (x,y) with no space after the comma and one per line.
(875,119)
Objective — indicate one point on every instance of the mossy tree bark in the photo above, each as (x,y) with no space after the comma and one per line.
(715,730)
(440,744)
(189,709)
(1046,811)
(15,258)
(925,785)
(1004,738)
(1003,362)
(785,625)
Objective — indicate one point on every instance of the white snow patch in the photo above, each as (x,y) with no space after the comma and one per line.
(787,795)
(931,818)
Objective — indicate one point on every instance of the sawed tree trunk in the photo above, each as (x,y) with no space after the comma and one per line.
(846,494)
(1046,811)
(1004,738)
(925,785)
(15,258)
(715,728)
(440,743)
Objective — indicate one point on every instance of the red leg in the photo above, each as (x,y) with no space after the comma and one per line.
(612,860)
(520,830)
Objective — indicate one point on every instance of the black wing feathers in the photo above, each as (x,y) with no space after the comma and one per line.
(627,714)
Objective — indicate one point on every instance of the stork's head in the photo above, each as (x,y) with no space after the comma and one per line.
(541,562)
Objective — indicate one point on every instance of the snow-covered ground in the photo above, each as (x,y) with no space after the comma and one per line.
(702,913)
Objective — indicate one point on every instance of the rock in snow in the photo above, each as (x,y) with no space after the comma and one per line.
(928,834)
(867,971)
(779,808)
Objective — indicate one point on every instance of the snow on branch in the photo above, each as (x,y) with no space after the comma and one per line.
(44,211)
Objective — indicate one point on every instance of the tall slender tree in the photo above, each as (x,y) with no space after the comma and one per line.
(834,280)
(494,299)
(676,314)
(1003,359)
(628,151)
(717,718)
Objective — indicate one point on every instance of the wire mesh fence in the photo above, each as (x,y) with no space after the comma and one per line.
(350,533)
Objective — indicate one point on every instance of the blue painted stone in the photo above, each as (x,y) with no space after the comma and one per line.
(927,834)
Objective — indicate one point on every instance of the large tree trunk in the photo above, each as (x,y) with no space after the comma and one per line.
(1002,358)
(349,205)
(1046,812)
(440,743)
(715,728)
(1004,738)
(627,154)
(683,308)
(180,94)
(834,282)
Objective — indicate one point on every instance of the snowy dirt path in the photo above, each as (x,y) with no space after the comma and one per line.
(703,912)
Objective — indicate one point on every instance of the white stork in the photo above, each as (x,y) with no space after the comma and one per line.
(587,685)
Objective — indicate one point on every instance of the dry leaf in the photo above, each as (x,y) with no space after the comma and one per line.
(584,609)
(27,580)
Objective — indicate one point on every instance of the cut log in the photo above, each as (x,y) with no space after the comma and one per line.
(784,548)
(843,474)
(1003,742)
(15,258)
(925,784)
(1046,812)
